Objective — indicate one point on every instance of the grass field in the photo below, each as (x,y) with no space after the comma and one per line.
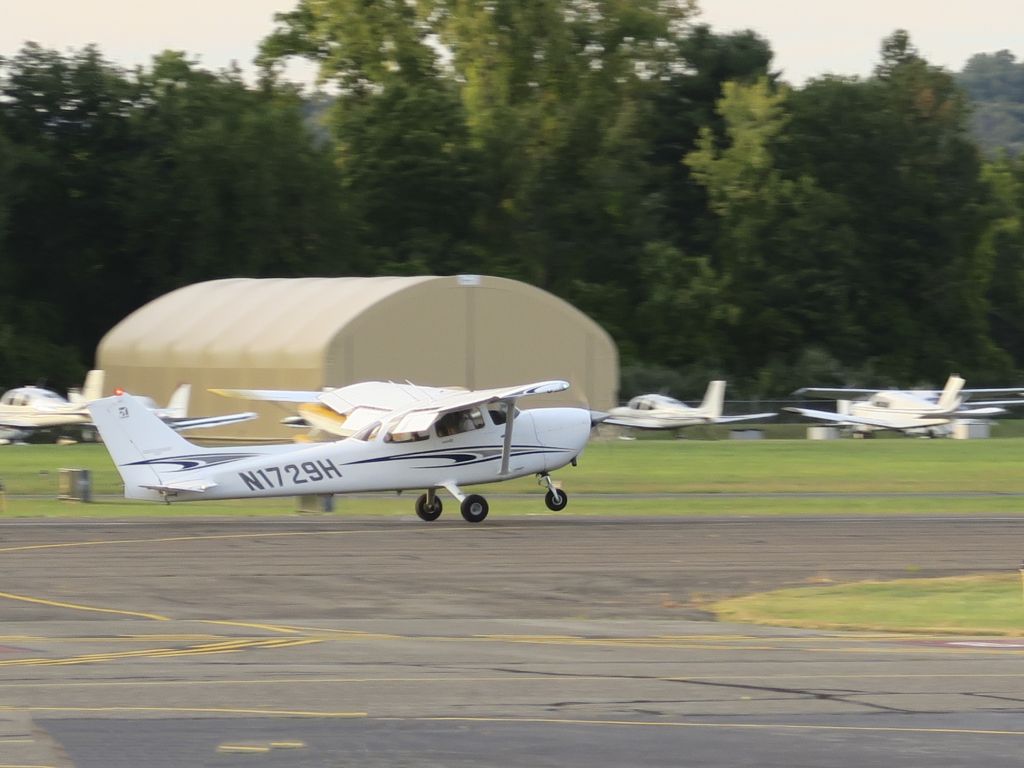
(963,604)
(885,469)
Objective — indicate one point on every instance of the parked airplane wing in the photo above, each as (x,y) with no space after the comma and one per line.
(745,417)
(842,419)
(640,422)
(14,422)
(835,394)
(204,422)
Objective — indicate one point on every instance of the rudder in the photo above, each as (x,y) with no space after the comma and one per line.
(134,435)
(713,399)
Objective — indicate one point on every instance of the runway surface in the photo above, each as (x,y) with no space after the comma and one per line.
(517,642)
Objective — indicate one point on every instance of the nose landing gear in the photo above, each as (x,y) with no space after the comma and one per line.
(556,499)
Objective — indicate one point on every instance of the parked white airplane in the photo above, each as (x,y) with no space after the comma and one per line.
(930,412)
(408,437)
(28,409)
(661,412)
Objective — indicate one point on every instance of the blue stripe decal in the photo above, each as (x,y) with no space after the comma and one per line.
(193,461)
(462,457)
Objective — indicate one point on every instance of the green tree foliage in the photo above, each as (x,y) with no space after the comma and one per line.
(654,173)
(895,154)
(120,187)
(995,83)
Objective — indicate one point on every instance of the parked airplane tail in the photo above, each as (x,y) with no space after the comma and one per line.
(91,390)
(950,398)
(713,399)
(177,406)
(137,440)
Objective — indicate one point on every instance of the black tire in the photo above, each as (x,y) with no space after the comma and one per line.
(559,504)
(428,513)
(474,508)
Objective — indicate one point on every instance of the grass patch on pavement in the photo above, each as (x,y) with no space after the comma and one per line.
(990,604)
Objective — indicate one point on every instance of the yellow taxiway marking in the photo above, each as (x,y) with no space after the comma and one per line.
(193,711)
(231,646)
(288,744)
(558,680)
(251,625)
(78,607)
(694,724)
(168,539)
(241,748)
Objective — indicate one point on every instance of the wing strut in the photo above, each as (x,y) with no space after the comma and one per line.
(506,448)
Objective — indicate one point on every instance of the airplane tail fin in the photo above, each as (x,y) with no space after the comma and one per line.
(177,406)
(949,400)
(139,442)
(91,390)
(713,398)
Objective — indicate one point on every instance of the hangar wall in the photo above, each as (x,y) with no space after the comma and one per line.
(310,333)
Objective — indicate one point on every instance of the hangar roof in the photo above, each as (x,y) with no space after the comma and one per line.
(239,317)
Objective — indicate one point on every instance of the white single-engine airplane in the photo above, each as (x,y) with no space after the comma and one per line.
(408,438)
(921,411)
(661,412)
(29,409)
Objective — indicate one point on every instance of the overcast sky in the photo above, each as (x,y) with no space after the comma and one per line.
(809,37)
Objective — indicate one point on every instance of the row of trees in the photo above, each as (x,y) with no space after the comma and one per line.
(652,172)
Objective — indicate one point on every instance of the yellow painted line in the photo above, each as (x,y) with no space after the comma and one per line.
(241,748)
(511,678)
(251,625)
(346,634)
(288,744)
(459,531)
(192,711)
(739,726)
(232,646)
(77,607)
(169,539)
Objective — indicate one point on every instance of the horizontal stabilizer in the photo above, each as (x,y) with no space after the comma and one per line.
(196,486)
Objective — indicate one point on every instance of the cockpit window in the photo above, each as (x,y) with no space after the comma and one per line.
(457,422)
(406,437)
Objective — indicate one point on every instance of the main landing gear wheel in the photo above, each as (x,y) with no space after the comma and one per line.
(556,503)
(474,508)
(427,511)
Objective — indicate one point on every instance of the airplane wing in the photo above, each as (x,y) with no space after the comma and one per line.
(668,422)
(972,412)
(204,422)
(745,417)
(841,419)
(835,394)
(421,417)
(642,422)
(272,395)
(13,422)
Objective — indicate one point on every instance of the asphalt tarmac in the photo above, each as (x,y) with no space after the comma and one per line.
(534,641)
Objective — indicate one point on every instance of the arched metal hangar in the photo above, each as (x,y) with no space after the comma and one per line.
(309,333)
